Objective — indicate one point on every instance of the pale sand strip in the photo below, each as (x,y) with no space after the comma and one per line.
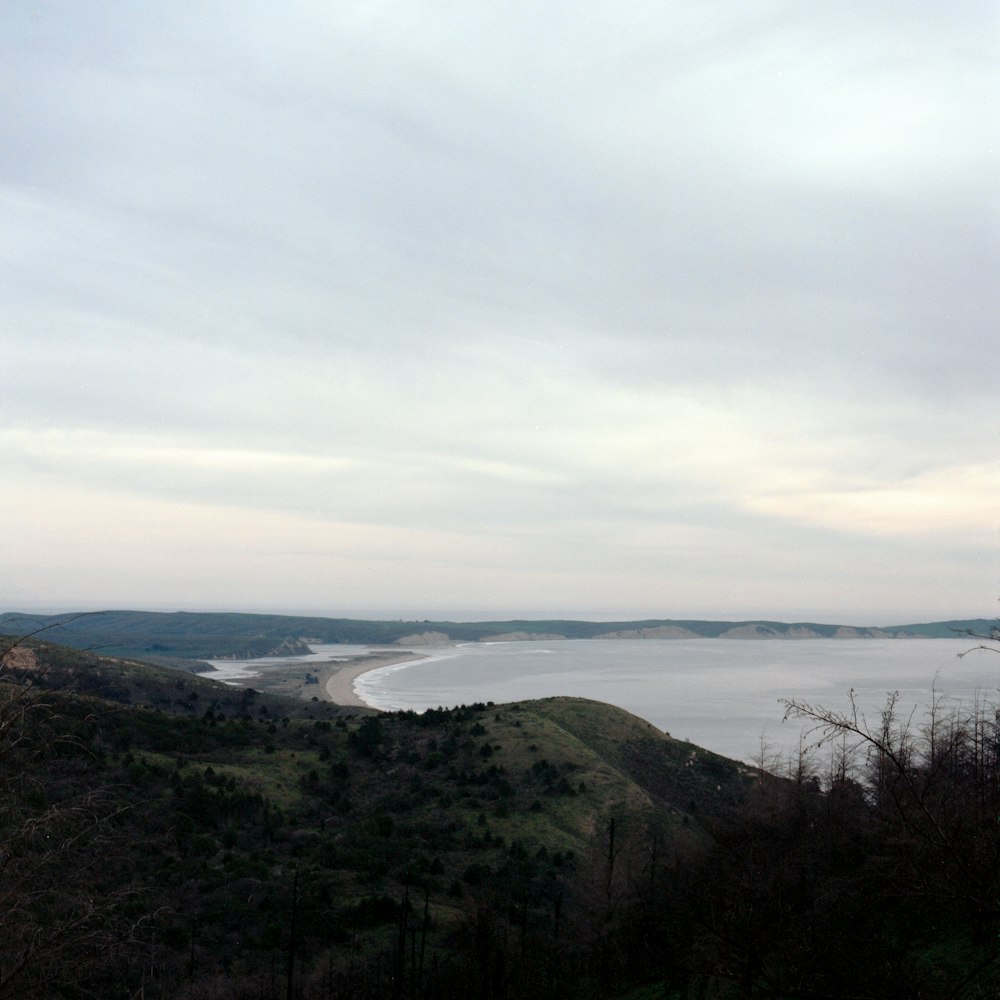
(337,679)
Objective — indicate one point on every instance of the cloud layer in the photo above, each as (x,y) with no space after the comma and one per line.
(589,310)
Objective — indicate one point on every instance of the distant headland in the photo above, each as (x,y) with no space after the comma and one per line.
(184,635)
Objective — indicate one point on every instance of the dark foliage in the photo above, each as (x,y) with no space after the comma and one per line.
(217,847)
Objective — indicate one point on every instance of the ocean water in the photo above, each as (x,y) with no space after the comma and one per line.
(722,694)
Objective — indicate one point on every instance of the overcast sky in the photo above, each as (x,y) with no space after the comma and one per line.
(486,309)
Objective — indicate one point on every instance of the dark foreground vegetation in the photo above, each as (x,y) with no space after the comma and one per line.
(162,836)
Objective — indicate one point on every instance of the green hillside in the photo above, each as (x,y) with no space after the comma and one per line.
(165,836)
(208,802)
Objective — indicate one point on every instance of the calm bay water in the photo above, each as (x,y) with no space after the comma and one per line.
(723,694)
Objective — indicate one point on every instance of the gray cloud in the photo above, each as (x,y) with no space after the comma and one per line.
(591,290)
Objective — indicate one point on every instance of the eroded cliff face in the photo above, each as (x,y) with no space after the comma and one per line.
(751,632)
(801,632)
(848,632)
(747,630)
(656,632)
(523,637)
(424,639)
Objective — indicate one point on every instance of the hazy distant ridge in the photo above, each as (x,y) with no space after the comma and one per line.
(213,635)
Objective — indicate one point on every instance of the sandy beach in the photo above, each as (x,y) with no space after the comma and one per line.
(337,679)
(324,680)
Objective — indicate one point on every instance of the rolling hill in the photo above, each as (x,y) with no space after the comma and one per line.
(218,811)
(166,836)
(204,635)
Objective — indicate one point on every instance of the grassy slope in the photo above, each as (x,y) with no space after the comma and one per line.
(218,815)
(209,813)
(681,775)
(456,802)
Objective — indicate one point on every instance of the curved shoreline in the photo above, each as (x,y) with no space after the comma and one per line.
(329,680)
(336,680)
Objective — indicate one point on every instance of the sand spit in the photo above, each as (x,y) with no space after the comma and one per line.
(337,679)
(327,680)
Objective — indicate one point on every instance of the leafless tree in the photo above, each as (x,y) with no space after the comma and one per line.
(936,785)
